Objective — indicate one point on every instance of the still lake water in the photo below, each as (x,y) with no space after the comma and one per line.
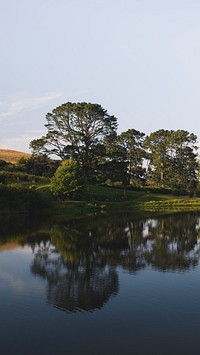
(107,285)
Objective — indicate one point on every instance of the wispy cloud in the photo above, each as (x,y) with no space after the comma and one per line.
(18,131)
(18,104)
(15,283)
(20,143)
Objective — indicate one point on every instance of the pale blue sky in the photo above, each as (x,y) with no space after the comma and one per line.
(139,59)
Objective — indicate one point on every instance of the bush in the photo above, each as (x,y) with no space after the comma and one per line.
(20,200)
(68,180)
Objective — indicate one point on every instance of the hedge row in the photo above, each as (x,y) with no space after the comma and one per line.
(7,177)
(18,200)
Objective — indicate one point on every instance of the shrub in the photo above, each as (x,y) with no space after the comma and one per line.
(19,200)
(68,180)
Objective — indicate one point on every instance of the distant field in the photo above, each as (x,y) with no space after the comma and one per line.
(12,156)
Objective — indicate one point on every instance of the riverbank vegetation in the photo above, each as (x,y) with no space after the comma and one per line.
(82,165)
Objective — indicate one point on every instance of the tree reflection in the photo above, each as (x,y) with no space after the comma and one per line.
(80,260)
(78,278)
(174,243)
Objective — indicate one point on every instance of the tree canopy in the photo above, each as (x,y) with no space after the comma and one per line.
(173,158)
(132,141)
(76,130)
(87,134)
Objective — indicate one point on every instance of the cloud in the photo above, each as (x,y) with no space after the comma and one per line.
(21,124)
(18,104)
(20,143)
(15,283)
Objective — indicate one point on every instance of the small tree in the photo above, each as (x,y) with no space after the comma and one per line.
(68,179)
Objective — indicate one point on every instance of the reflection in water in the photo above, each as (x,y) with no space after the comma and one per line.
(79,260)
(83,285)
(169,243)
(126,266)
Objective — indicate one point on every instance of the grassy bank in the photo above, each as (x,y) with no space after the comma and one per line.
(105,200)
(95,200)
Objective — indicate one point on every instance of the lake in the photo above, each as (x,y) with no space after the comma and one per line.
(122,284)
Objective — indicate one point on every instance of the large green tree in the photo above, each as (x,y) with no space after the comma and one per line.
(123,158)
(112,166)
(76,130)
(173,158)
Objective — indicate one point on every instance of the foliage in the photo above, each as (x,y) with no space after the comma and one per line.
(5,166)
(20,200)
(74,131)
(132,142)
(173,159)
(84,137)
(114,171)
(85,133)
(38,165)
(8,177)
(68,179)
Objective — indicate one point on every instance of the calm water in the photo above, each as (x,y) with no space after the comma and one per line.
(122,285)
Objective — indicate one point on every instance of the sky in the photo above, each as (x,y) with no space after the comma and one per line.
(139,59)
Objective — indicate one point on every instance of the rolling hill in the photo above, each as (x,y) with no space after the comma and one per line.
(12,156)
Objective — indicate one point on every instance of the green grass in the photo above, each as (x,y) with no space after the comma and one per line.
(97,200)
(173,204)
(103,193)
(102,200)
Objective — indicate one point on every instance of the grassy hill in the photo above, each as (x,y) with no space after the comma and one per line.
(12,156)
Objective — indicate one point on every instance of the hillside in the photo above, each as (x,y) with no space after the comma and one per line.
(12,156)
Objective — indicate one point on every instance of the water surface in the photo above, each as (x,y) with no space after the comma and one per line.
(109,285)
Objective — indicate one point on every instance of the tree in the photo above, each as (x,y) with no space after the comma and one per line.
(132,142)
(67,180)
(184,164)
(74,131)
(173,158)
(38,165)
(112,172)
(156,145)
(112,164)
(123,158)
